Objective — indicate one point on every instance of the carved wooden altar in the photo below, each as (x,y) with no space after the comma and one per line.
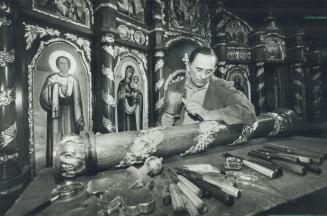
(105,39)
(273,69)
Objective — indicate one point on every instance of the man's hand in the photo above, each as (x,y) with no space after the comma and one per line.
(167,119)
(195,109)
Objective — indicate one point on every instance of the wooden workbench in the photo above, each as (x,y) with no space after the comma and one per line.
(269,194)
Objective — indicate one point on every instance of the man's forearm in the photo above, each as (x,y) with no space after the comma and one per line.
(236,114)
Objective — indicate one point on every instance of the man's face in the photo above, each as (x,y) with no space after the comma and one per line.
(63,65)
(202,69)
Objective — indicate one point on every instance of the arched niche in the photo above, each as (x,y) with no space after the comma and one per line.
(175,54)
(39,69)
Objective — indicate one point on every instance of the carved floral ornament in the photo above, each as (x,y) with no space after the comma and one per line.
(108,38)
(108,99)
(6,57)
(239,55)
(8,135)
(34,32)
(7,97)
(5,8)
(4,22)
(108,124)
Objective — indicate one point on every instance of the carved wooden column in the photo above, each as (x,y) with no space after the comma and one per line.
(316,92)
(159,77)
(295,58)
(11,179)
(105,16)
(108,85)
(314,74)
(157,46)
(7,82)
(260,81)
(298,89)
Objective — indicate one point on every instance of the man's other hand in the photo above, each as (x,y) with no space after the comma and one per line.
(195,109)
(167,119)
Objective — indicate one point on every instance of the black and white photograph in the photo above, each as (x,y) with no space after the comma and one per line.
(163,107)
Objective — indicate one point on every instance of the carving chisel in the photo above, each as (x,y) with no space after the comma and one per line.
(289,156)
(196,201)
(315,157)
(292,167)
(192,187)
(176,199)
(190,208)
(215,191)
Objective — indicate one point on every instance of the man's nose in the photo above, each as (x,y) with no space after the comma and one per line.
(203,76)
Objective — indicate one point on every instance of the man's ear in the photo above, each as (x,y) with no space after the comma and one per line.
(187,67)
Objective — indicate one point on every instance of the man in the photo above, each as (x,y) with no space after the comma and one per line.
(206,97)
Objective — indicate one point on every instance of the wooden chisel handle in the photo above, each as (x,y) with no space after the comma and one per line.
(314,168)
(261,169)
(196,201)
(166,197)
(292,167)
(192,187)
(176,199)
(190,208)
(235,192)
(302,159)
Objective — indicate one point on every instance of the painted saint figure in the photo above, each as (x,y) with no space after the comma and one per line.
(129,102)
(61,98)
(238,84)
(127,6)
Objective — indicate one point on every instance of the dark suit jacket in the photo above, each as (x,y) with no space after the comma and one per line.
(221,99)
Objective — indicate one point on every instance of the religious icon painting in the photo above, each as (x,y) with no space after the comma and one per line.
(132,8)
(188,16)
(77,12)
(60,85)
(131,95)
(241,81)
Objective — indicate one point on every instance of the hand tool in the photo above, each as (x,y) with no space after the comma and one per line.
(292,167)
(190,208)
(202,168)
(288,156)
(196,201)
(316,157)
(176,199)
(208,187)
(277,169)
(65,191)
(192,187)
(165,193)
(229,189)
(261,169)
(303,151)
(152,166)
